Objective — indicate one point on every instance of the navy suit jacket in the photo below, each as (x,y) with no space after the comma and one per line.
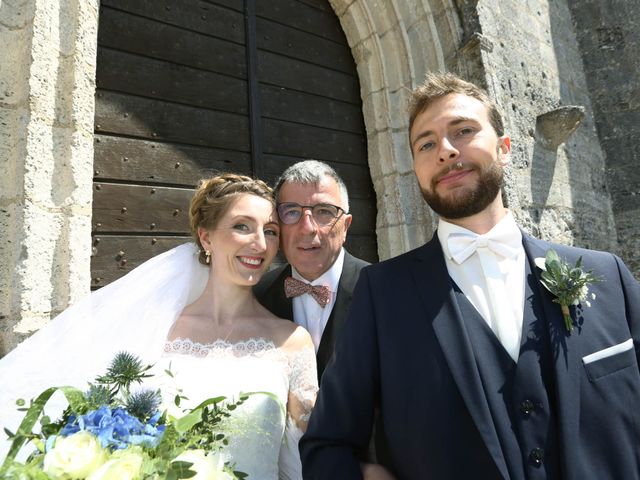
(270,293)
(404,350)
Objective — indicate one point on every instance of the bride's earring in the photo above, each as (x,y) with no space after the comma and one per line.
(207,254)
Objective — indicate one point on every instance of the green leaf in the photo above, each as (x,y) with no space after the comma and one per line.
(181,469)
(185,423)
(75,398)
(552,256)
(210,401)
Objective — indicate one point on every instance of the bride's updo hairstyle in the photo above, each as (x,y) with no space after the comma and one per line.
(214,196)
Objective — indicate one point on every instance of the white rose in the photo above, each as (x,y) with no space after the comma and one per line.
(207,466)
(75,456)
(123,465)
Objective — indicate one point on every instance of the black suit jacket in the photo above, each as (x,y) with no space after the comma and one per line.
(404,349)
(270,293)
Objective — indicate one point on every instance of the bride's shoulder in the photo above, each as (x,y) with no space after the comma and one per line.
(298,339)
(289,336)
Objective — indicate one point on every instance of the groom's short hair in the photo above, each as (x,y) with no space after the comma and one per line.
(437,85)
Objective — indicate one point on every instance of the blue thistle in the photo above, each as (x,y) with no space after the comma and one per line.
(144,403)
(124,370)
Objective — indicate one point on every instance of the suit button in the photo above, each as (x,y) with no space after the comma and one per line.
(527,407)
(536,456)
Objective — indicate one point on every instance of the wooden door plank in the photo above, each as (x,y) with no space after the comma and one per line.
(130,73)
(285,138)
(283,40)
(362,246)
(215,20)
(129,115)
(237,5)
(298,75)
(140,209)
(131,33)
(364,216)
(322,5)
(300,107)
(134,160)
(304,17)
(113,257)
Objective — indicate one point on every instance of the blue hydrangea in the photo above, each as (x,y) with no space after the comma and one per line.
(116,429)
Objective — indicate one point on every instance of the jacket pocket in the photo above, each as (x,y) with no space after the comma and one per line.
(610,360)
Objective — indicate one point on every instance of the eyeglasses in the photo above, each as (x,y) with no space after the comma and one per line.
(322,213)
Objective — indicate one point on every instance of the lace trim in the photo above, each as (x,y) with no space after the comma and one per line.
(243,348)
(303,382)
(300,366)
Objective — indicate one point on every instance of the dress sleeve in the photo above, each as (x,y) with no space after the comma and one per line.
(303,388)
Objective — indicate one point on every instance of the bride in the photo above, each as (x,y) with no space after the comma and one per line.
(193,308)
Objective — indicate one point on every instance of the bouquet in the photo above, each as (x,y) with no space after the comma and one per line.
(110,432)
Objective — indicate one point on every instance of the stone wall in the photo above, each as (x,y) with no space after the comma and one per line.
(557,186)
(526,54)
(47,79)
(609,39)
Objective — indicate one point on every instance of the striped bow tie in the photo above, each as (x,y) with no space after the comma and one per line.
(294,287)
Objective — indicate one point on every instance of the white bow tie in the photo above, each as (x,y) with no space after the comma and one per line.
(463,245)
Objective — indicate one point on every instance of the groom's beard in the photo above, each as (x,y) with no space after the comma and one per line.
(470,200)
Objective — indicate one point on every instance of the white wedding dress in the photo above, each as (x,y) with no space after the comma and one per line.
(263,435)
(135,314)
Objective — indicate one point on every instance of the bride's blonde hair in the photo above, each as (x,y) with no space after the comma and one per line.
(213,197)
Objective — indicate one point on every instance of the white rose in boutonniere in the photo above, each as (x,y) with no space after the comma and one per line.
(570,285)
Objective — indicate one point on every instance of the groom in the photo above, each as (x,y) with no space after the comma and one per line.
(461,347)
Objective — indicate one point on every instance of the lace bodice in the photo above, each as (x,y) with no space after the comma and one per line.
(264,431)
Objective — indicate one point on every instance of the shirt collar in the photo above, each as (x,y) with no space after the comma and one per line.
(506,223)
(330,278)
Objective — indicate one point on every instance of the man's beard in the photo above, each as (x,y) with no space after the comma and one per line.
(470,200)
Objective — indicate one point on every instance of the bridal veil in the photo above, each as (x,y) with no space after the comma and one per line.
(134,314)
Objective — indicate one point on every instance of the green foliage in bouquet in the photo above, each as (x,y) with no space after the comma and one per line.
(110,432)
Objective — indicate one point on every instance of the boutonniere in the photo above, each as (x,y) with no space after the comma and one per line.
(569,284)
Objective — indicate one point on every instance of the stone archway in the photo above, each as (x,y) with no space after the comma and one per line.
(394,43)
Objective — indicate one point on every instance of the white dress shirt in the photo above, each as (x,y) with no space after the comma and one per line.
(306,311)
(471,278)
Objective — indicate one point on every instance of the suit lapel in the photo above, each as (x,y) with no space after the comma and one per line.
(566,359)
(280,305)
(339,312)
(438,299)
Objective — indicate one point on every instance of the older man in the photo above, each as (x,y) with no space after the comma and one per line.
(314,288)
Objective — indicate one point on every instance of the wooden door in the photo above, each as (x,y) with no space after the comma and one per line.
(187,88)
